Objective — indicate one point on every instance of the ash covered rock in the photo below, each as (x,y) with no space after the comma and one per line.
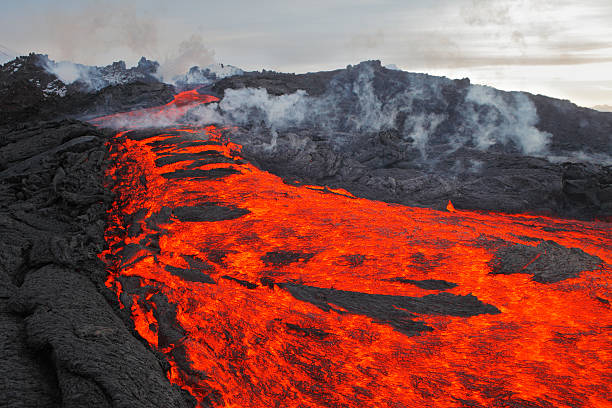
(64,338)
(548,262)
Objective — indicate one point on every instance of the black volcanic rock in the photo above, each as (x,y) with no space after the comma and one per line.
(208,212)
(575,129)
(427,284)
(29,90)
(548,262)
(377,168)
(199,174)
(119,98)
(396,311)
(64,338)
(98,362)
(282,258)
(277,83)
(191,275)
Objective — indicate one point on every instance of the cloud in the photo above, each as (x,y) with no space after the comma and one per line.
(83,32)
(438,60)
(191,52)
(297,37)
(603,108)
(486,12)
(367,40)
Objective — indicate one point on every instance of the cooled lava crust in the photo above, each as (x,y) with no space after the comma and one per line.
(263,293)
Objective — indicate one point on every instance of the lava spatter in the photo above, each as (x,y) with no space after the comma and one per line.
(265,294)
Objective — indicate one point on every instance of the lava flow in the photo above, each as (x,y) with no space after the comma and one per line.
(262,293)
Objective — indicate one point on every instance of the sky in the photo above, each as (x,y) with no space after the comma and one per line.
(558,48)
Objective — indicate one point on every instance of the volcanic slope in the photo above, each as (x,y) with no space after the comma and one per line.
(265,293)
(420,140)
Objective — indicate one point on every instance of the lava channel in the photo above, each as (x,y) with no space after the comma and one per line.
(265,294)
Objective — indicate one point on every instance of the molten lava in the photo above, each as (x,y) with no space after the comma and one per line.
(261,293)
(161,115)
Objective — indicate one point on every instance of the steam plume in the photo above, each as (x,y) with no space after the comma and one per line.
(191,52)
(353,104)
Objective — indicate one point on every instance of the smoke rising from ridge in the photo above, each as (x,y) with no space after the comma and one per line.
(353,104)
(427,113)
(99,34)
(422,119)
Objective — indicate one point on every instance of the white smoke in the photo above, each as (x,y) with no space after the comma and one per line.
(583,157)
(354,108)
(241,106)
(95,78)
(206,75)
(418,110)
(423,126)
(68,72)
(489,117)
(497,120)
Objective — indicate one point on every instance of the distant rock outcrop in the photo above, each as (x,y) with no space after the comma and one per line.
(31,89)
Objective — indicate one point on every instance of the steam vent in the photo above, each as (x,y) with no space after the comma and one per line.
(363,237)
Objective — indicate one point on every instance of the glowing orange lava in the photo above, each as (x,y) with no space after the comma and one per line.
(231,252)
(160,115)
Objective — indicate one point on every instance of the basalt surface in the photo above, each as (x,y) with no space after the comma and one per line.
(65,342)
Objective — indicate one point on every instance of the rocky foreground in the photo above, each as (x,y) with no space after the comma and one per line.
(64,340)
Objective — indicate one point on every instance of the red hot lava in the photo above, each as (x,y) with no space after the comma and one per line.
(264,294)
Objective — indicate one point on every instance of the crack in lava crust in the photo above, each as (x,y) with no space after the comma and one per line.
(265,294)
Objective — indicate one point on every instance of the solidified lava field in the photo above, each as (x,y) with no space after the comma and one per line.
(261,292)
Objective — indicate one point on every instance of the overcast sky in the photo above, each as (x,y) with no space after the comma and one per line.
(559,48)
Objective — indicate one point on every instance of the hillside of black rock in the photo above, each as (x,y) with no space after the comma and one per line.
(421,140)
(30,92)
(573,129)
